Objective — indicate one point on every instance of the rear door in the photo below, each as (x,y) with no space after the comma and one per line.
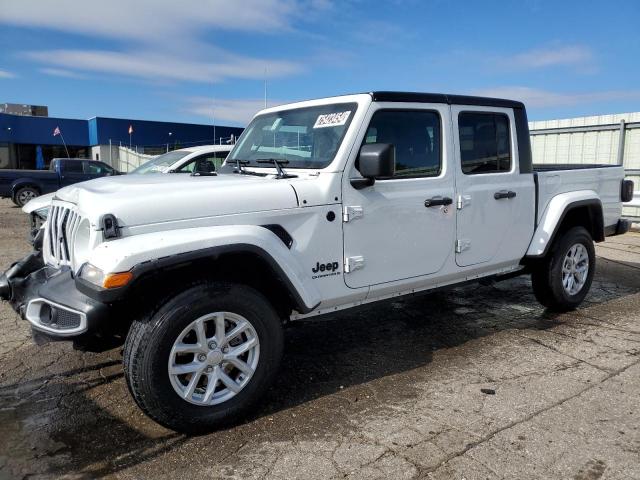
(494,202)
(389,233)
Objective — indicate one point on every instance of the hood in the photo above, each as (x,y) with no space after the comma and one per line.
(43,201)
(144,199)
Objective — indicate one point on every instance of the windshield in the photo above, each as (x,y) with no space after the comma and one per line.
(303,137)
(160,164)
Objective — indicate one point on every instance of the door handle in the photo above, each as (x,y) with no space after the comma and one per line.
(504,194)
(437,201)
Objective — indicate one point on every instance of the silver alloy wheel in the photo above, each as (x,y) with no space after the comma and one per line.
(214,358)
(575,269)
(25,195)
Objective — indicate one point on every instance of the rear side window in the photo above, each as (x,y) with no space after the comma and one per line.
(485,145)
(415,135)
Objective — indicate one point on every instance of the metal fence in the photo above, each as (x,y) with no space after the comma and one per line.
(609,139)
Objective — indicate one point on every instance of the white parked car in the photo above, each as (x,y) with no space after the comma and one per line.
(321,206)
(203,159)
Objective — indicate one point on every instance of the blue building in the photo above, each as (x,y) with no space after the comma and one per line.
(26,141)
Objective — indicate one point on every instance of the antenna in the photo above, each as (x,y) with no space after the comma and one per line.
(213,118)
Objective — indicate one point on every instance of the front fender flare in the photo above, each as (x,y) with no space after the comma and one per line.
(146,252)
(553,215)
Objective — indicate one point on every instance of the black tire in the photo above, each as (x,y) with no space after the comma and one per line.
(24,194)
(546,277)
(149,342)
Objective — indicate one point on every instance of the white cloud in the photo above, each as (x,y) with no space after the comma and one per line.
(237,111)
(59,72)
(6,74)
(537,98)
(149,19)
(160,39)
(569,55)
(156,66)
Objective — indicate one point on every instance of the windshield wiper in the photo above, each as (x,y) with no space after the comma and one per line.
(278,164)
(239,168)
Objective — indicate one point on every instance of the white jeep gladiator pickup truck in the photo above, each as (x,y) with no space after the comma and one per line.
(321,206)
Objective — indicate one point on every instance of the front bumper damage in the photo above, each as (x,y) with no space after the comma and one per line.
(48,299)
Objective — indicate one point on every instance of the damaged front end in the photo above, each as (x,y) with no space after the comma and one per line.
(48,299)
(14,279)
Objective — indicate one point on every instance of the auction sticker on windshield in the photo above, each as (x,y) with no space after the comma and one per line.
(332,119)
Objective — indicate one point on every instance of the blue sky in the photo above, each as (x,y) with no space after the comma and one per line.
(189,60)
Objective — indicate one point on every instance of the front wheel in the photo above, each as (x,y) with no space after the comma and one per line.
(204,357)
(562,280)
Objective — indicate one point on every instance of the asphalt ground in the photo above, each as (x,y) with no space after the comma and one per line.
(391,391)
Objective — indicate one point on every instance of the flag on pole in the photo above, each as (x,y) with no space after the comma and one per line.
(130,129)
(57,132)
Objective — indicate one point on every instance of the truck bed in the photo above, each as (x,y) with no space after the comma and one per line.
(555,179)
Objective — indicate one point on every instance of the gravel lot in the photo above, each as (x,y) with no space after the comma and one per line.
(387,392)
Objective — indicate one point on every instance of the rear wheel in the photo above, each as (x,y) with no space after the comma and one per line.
(204,358)
(24,194)
(562,280)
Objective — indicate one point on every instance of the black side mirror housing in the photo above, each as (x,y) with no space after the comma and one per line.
(376,160)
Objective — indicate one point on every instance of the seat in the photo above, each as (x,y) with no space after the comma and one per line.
(203,165)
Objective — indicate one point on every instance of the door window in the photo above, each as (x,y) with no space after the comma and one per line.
(485,146)
(96,168)
(415,135)
(201,164)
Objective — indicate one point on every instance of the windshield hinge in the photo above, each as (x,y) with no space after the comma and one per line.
(352,212)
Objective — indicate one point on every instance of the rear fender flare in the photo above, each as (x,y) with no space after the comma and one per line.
(555,213)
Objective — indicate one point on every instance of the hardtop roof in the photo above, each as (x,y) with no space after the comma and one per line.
(387,96)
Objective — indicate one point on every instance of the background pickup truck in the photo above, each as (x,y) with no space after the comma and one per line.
(321,206)
(23,185)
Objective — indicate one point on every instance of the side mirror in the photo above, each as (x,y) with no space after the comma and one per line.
(376,160)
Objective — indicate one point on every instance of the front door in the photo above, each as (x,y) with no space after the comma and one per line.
(494,201)
(402,227)
(71,171)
